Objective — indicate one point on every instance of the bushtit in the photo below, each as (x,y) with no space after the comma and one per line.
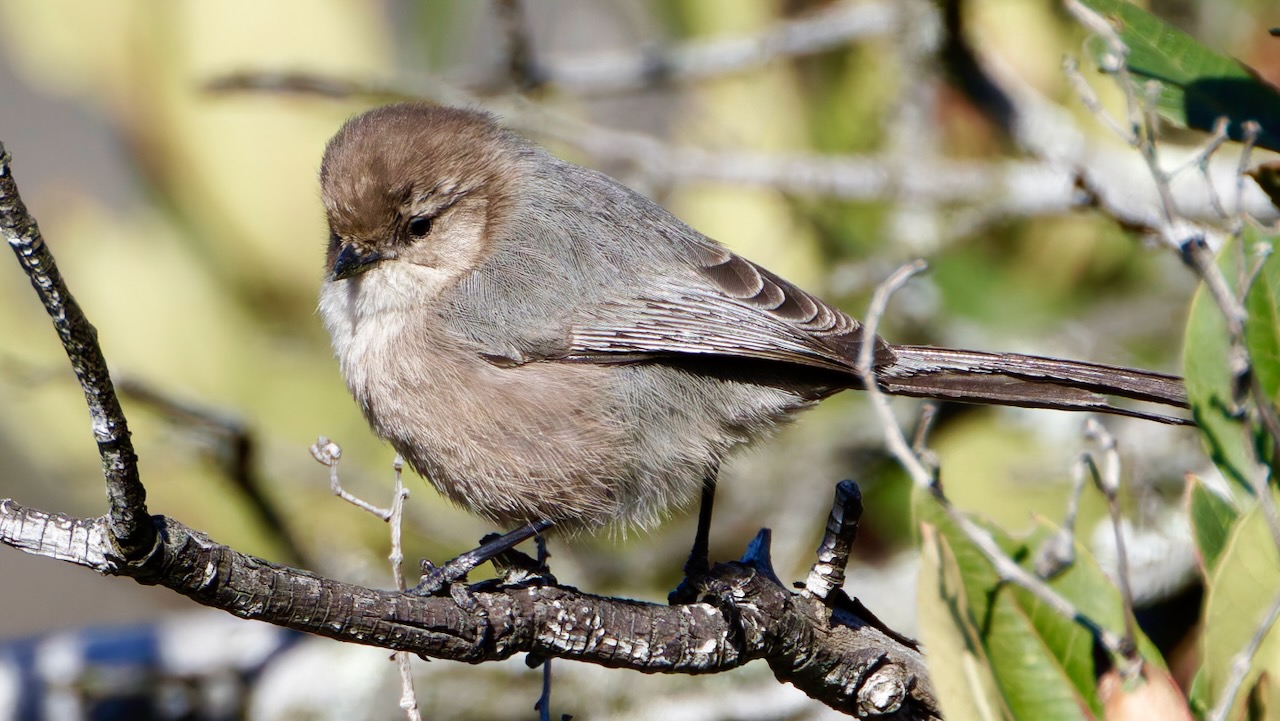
(547,346)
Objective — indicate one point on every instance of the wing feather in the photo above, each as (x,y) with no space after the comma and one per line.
(728,306)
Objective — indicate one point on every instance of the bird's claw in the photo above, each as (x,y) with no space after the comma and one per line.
(437,580)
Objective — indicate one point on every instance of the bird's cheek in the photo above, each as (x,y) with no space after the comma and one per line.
(458,242)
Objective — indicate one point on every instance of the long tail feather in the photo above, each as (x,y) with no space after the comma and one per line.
(1030,381)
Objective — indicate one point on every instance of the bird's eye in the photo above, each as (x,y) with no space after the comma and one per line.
(419,226)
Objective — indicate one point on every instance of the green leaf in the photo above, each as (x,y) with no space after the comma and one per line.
(1231,442)
(1262,332)
(1212,518)
(958,665)
(1242,588)
(1197,85)
(1198,696)
(1042,663)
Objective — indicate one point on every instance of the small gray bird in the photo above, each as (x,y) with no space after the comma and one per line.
(548,347)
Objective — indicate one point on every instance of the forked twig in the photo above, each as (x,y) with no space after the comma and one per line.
(897,443)
(1006,569)
(328,454)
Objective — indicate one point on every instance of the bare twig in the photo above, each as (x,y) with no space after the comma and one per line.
(1059,551)
(827,573)
(1006,569)
(400,494)
(897,443)
(131,531)
(1010,572)
(408,697)
(303,83)
(522,68)
(1251,130)
(1151,154)
(1096,24)
(1084,91)
(1201,161)
(924,425)
(328,453)
(832,27)
(1107,480)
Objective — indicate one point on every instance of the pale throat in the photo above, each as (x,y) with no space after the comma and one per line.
(368,314)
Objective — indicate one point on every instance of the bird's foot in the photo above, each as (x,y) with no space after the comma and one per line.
(521,569)
(437,580)
(689,590)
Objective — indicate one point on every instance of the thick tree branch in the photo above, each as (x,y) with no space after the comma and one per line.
(828,651)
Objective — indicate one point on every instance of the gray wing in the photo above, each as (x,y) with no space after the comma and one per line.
(728,306)
(669,292)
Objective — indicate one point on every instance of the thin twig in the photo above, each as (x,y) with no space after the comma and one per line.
(1010,572)
(827,573)
(1200,160)
(629,71)
(897,443)
(1251,130)
(924,425)
(328,453)
(522,69)
(131,529)
(1084,91)
(399,495)
(1107,480)
(1059,551)
(1006,569)
(1150,153)
(408,696)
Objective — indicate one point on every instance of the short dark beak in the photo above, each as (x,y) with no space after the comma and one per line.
(353,261)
